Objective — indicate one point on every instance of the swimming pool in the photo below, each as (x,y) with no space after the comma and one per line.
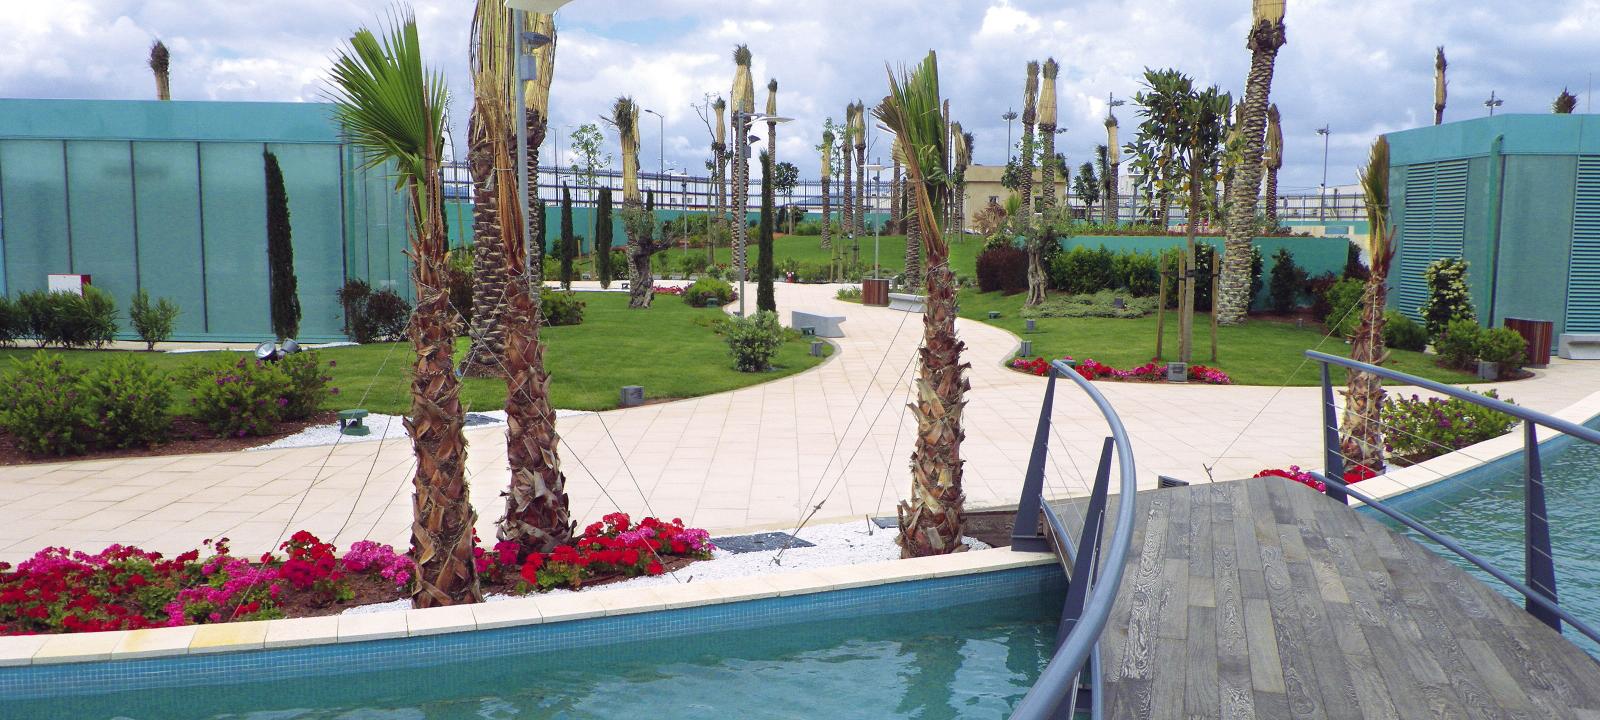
(938,649)
(1482,510)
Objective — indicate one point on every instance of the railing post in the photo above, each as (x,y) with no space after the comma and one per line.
(1082,579)
(1538,562)
(1025,534)
(1332,458)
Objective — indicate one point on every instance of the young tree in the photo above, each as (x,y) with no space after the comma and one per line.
(588,145)
(1201,132)
(393,109)
(569,241)
(602,241)
(1361,431)
(636,219)
(282,287)
(785,176)
(764,267)
(1087,185)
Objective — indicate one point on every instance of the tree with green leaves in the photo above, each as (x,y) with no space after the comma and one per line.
(1156,145)
(602,241)
(569,241)
(785,177)
(764,265)
(931,521)
(393,110)
(1203,129)
(588,146)
(1361,431)
(282,286)
(1087,184)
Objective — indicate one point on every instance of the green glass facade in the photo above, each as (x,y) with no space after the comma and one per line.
(169,197)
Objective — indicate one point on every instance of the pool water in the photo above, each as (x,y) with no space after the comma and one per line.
(968,661)
(1483,511)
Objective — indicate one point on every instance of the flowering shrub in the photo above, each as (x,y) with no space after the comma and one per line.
(1091,369)
(307,386)
(127,400)
(1418,429)
(1296,474)
(613,547)
(126,588)
(668,289)
(240,397)
(43,406)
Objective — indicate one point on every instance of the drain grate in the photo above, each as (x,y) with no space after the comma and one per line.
(761,542)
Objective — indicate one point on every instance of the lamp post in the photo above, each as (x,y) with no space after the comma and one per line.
(1008,117)
(661,167)
(877,228)
(1492,103)
(527,70)
(1322,200)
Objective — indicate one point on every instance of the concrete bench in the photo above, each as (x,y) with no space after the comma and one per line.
(1580,346)
(824,325)
(906,302)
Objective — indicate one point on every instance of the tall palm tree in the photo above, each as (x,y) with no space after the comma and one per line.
(1266,37)
(161,65)
(1046,118)
(1030,116)
(1274,160)
(1565,103)
(931,522)
(538,514)
(743,98)
(913,260)
(847,216)
(719,162)
(625,118)
(858,135)
(1361,439)
(962,160)
(393,109)
(1441,91)
(827,198)
(772,125)
(1109,170)
(896,219)
(487,129)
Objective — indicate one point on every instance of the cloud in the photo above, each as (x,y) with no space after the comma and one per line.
(1360,68)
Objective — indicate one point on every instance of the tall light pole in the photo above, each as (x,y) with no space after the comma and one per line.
(527,70)
(1492,103)
(877,169)
(1322,202)
(1008,117)
(661,171)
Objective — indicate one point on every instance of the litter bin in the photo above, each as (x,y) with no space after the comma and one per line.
(1538,334)
(875,291)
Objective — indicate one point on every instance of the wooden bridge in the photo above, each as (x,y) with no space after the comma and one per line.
(1264,599)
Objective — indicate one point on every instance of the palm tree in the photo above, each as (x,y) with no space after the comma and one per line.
(896,218)
(1441,90)
(1565,103)
(161,65)
(719,161)
(772,125)
(1361,439)
(1087,185)
(931,521)
(1109,169)
(847,216)
(913,223)
(858,135)
(1266,37)
(744,105)
(1046,117)
(827,199)
(393,109)
(486,137)
(639,224)
(963,160)
(1030,115)
(1274,160)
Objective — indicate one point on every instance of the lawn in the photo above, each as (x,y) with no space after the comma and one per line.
(808,249)
(670,350)
(1260,352)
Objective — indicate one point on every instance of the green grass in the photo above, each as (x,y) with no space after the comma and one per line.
(1259,352)
(808,249)
(670,350)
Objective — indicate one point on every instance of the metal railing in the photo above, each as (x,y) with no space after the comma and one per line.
(1538,587)
(1095,575)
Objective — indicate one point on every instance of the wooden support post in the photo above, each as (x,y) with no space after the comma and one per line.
(1216,280)
(1161,307)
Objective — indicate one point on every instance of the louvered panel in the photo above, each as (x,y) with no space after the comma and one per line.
(1434,226)
(1583,279)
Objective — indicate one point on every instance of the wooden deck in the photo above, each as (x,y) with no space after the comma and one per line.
(1263,599)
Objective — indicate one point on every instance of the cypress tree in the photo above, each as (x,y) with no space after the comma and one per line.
(764,298)
(602,240)
(281,283)
(569,242)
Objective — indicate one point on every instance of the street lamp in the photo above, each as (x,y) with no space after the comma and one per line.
(1008,117)
(527,69)
(1492,103)
(1322,202)
(876,227)
(661,123)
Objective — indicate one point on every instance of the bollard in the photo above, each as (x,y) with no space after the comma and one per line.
(1032,325)
(632,396)
(816,348)
(1027,348)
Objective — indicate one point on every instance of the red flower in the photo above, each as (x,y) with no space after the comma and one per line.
(654,568)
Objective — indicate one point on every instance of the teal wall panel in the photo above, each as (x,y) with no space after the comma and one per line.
(1530,279)
(167,202)
(233,183)
(1583,277)
(100,194)
(311,179)
(33,212)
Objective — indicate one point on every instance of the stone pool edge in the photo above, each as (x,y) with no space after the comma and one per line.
(36,650)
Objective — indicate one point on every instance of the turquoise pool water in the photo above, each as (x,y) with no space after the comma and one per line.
(967,661)
(1483,511)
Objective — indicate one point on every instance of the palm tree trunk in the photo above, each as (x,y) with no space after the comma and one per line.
(1362,430)
(1112,201)
(1037,279)
(1186,318)
(861,189)
(1025,183)
(895,218)
(913,251)
(931,521)
(1272,197)
(485,358)
(740,198)
(847,216)
(827,212)
(719,189)
(1233,300)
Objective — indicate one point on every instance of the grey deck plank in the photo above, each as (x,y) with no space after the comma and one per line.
(1263,599)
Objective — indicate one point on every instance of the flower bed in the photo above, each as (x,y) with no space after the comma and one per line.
(667,290)
(1148,372)
(125,588)
(1304,478)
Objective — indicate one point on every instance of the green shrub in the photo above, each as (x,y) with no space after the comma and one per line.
(1504,346)
(37,308)
(353,300)
(1403,333)
(814,272)
(693,263)
(1458,344)
(306,385)
(70,320)
(1420,429)
(127,402)
(808,227)
(851,293)
(1288,279)
(153,321)
(1004,268)
(13,321)
(1344,306)
(238,397)
(1449,298)
(1204,256)
(1098,304)
(386,315)
(1081,271)
(705,288)
(754,340)
(43,406)
(1256,271)
(458,282)
(1137,272)
(560,308)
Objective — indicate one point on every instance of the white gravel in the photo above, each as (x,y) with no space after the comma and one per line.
(384,427)
(318,346)
(842,544)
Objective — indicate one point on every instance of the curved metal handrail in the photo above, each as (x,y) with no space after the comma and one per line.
(1058,678)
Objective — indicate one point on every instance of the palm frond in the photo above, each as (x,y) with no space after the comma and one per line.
(772,97)
(1375,186)
(625,118)
(160,58)
(743,93)
(1047,94)
(913,112)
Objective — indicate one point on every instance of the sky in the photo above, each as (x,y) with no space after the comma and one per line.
(1359,68)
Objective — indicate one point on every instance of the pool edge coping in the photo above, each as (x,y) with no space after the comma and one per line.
(39,650)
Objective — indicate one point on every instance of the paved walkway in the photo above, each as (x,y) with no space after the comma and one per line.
(756,456)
